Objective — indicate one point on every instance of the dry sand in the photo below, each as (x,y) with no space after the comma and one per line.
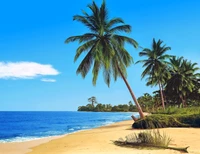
(98,141)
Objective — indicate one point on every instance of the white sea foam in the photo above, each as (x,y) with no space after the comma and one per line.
(71,129)
(52,133)
(20,139)
(85,127)
(108,122)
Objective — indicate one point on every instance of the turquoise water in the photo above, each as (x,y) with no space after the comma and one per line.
(24,126)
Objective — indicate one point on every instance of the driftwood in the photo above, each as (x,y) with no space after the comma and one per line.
(134,144)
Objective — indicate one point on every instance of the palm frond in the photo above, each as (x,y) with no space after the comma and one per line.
(95,17)
(81,38)
(114,69)
(141,61)
(103,13)
(84,47)
(145,52)
(95,71)
(85,22)
(125,39)
(121,28)
(114,21)
(85,65)
(121,52)
(107,76)
(147,71)
(105,49)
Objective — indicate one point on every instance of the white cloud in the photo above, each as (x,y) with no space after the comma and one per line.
(25,70)
(48,80)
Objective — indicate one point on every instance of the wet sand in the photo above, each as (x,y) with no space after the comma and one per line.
(99,141)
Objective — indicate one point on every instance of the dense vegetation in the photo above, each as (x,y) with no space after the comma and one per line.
(177,78)
(107,107)
(172,117)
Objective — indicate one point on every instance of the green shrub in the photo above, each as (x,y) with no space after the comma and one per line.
(163,121)
(175,110)
(191,120)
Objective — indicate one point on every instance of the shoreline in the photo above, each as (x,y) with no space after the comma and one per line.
(55,136)
(98,140)
(24,147)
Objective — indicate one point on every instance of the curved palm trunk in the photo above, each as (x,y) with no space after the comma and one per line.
(132,94)
(161,94)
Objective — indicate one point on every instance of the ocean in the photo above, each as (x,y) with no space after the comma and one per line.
(25,126)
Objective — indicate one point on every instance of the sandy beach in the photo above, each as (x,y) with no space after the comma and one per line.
(98,141)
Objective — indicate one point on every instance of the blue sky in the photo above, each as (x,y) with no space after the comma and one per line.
(37,71)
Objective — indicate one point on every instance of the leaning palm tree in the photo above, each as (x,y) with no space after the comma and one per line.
(183,78)
(155,65)
(104,46)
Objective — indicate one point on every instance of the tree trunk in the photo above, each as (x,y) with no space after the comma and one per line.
(183,101)
(164,96)
(161,95)
(132,94)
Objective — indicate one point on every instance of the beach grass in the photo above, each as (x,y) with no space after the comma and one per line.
(149,139)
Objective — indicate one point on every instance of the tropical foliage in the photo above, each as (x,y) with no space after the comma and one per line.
(155,65)
(177,78)
(184,78)
(103,50)
(172,117)
(104,46)
(93,101)
(109,108)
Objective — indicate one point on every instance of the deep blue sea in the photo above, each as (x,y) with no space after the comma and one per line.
(24,126)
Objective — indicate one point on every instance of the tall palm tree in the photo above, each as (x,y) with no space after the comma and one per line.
(155,65)
(104,47)
(93,100)
(183,78)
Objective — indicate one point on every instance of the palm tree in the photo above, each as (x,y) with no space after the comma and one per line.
(104,47)
(194,96)
(93,100)
(183,78)
(155,65)
(146,101)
